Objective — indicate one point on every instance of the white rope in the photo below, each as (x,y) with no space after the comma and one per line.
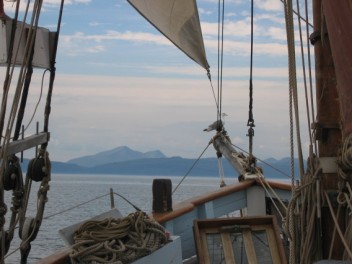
(272,193)
(338,229)
(221,173)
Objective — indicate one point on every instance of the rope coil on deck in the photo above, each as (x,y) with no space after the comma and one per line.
(117,241)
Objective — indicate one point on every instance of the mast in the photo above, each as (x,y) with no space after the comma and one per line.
(333,84)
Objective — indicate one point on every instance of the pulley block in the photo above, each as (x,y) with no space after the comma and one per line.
(11,174)
(37,169)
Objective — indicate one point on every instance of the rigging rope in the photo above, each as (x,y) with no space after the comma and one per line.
(250,122)
(221,25)
(264,162)
(117,240)
(91,200)
(337,226)
(299,253)
(190,169)
(9,70)
(28,226)
(10,121)
(304,73)
(310,71)
(344,197)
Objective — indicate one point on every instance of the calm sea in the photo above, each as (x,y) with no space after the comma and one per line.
(67,191)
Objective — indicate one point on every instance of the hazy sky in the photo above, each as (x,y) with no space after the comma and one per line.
(120,82)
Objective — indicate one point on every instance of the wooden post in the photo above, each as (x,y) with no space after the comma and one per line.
(112,201)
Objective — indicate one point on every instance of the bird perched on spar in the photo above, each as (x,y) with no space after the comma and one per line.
(217,125)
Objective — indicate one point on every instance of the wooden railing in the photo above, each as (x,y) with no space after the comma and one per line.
(180,221)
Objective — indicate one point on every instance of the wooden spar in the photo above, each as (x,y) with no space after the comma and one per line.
(327,127)
(222,144)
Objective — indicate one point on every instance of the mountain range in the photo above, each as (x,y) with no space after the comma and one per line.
(125,161)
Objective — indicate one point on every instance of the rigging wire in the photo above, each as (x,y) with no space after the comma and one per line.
(35,108)
(9,75)
(52,72)
(262,161)
(212,88)
(310,71)
(78,205)
(191,168)
(9,69)
(250,122)
(221,25)
(22,88)
(306,20)
(304,73)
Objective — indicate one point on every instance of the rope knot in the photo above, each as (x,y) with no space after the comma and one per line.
(3,210)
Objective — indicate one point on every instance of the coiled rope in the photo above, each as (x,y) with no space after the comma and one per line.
(117,241)
(301,223)
(344,198)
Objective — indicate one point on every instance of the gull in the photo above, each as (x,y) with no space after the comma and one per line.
(216,124)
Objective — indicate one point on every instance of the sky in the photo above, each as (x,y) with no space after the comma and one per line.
(119,82)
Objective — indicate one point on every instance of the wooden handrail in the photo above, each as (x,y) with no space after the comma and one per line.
(188,205)
(179,209)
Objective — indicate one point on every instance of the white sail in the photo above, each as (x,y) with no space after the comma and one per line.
(178,20)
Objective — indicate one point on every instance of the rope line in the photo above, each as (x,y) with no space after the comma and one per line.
(338,229)
(310,72)
(250,122)
(264,162)
(304,74)
(89,201)
(190,169)
(12,113)
(117,240)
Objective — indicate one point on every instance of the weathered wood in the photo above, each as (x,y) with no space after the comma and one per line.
(228,250)
(26,143)
(272,240)
(204,258)
(247,226)
(223,145)
(249,246)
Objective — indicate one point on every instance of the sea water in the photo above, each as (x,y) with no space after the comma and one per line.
(74,191)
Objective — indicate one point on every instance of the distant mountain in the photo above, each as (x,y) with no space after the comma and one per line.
(174,166)
(124,161)
(118,154)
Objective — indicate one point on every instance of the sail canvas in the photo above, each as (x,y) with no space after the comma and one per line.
(179,21)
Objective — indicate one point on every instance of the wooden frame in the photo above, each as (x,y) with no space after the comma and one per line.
(238,239)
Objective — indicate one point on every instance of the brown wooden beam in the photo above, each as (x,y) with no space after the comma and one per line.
(26,143)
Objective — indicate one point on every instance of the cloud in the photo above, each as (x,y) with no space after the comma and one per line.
(80,42)
(10,7)
(135,92)
(269,5)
